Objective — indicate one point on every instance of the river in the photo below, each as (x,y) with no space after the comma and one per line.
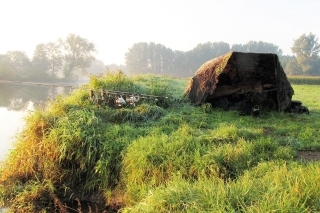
(16,101)
(11,123)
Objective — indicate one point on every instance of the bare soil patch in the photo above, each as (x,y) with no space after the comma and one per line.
(308,155)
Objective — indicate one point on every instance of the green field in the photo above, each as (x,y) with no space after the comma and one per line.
(170,157)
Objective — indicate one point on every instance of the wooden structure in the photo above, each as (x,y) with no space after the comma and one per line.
(236,77)
(119,99)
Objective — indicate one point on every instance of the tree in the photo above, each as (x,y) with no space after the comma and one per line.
(179,64)
(20,64)
(159,58)
(293,67)
(78,55)
(257,47)
(138,58)
(205,52)
(316,68)
(167,58)
(238,48)
(290,65)
(306,49)
(97,67)
(6,70)
(48,58)
(154,57)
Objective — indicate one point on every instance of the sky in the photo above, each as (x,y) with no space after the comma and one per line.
(115,25)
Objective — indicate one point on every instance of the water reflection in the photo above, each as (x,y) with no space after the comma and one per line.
(16,101)
(10,124)
(16,97)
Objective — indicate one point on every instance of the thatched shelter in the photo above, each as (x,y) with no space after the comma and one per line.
(236,79)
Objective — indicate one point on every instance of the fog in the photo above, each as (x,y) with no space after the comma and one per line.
(114,26)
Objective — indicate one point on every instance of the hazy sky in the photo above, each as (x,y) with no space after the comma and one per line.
(115,25)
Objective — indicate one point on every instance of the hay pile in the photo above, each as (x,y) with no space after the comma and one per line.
(205,80)
(235,76)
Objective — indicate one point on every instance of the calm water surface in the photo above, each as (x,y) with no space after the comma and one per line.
(16,102)
(11,123)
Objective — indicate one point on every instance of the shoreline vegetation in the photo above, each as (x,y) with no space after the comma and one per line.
(163,156)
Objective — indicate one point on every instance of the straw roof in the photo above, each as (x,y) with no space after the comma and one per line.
(237,73)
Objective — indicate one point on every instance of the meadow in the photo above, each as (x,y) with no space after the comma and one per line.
(163,156)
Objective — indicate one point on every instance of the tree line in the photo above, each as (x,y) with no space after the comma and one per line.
(68,58)
(154,58)
(65,57)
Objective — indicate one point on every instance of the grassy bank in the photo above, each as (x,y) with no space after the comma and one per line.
(161,157)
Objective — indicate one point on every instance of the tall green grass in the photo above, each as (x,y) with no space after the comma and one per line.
(153,158)
(271,186)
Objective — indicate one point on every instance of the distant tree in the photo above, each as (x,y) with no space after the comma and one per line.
(179,64)
(155,58)
(149,58)
(220,48)
(97,67)
(316,68)
(6,70)
(78,55)
(20,64)
(160,59)
(205,52)
(284,59)
(257,47)
(48,58)
(167,57)
(137,58)
(238,48)
(209,50)
(306,49)
(40,60)
(293,67)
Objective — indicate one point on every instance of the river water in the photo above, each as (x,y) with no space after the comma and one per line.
(16,102)
(11,123)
